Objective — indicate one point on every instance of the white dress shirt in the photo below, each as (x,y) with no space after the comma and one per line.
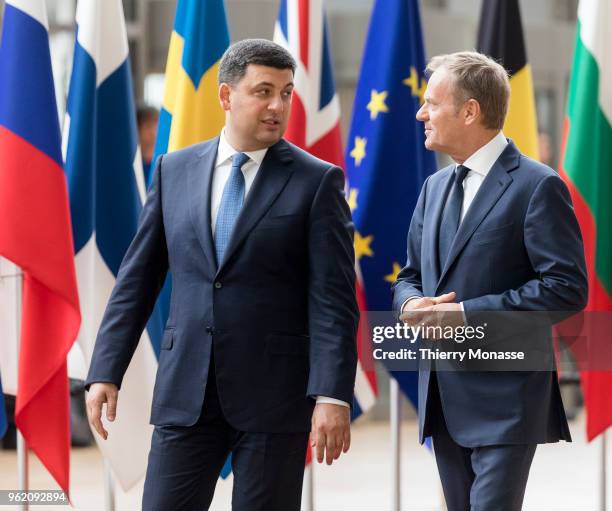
(223,167)
(480,164)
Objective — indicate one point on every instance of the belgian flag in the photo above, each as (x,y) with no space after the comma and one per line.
(500,36)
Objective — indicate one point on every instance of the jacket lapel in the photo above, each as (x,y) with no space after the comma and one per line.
(199,180)
(269,182)
(492,188)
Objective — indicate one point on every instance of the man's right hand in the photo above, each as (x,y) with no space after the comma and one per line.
(100,393)
(420,303)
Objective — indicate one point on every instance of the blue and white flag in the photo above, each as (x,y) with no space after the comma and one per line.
(107,191)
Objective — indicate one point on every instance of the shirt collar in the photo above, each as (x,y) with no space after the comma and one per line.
(225,151)
(483,159)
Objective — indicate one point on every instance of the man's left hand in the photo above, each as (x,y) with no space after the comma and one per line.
(331,431)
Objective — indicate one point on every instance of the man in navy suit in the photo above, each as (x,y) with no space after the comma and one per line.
(260,341)
(493,232)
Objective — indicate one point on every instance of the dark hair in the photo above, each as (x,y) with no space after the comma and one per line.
(146,113)
(259,52)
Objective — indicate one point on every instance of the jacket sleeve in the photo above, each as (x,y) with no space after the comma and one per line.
(408,283)
(554,246)
(140,278)
(332,305)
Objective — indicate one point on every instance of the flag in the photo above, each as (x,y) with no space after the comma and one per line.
(107,191)
(190,110)
(314,125)
(9,346)
(386,159)
(585,165)
(500,36)
(3,419)
(35,233)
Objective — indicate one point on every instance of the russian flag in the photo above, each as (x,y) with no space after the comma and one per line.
(35,233)
(107,190)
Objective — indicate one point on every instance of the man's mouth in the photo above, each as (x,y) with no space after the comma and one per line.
(271,122)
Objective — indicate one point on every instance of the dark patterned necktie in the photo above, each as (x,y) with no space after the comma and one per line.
(451,216)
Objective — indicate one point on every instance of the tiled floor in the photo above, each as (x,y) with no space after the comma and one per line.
(564,477)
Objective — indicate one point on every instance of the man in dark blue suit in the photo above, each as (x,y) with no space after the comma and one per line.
(495,232)
(260,341)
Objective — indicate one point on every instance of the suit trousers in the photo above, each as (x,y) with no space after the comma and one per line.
(487,478)
(184,464)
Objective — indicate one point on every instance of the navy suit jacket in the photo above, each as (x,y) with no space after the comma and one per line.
(518,248)
(280,309)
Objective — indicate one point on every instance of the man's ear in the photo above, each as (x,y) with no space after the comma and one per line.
(471,111)
(224,96)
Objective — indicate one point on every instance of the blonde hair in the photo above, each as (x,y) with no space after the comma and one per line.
(476,76)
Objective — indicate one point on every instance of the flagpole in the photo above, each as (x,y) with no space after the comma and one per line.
(109,487)
(22,467)
(603,493)
(22,446)
(308,493)
(395,411)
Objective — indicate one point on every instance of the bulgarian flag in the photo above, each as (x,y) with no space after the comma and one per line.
(586,167)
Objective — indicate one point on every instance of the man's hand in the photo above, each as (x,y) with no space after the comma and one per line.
(98,394)
(412,311)
(439,311)
(331,431)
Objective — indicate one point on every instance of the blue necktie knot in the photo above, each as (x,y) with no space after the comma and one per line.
(239,159)
(460,174)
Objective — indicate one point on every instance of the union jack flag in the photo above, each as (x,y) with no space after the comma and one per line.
(314,125)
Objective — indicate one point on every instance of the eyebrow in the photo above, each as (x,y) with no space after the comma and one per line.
(269,84)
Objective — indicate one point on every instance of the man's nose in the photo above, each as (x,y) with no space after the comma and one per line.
(421,113)
(276,104)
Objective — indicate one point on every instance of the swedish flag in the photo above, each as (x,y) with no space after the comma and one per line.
(190,111)
(386,159)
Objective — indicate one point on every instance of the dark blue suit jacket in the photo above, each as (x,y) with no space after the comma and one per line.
(518,248)
(280,309)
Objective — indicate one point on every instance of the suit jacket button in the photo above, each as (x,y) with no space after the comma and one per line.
(218,285)
(209,330)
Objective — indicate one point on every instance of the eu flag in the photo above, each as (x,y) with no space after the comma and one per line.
(386,159)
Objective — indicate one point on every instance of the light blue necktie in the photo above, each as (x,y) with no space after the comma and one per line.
(231,204)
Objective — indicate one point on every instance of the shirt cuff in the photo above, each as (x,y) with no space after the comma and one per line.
(332,401)
(463,314)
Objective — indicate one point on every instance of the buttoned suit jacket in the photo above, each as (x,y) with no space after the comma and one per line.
(279,310)
(518,248)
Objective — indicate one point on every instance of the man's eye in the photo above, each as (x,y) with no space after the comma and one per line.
(288,93)
(263,92)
